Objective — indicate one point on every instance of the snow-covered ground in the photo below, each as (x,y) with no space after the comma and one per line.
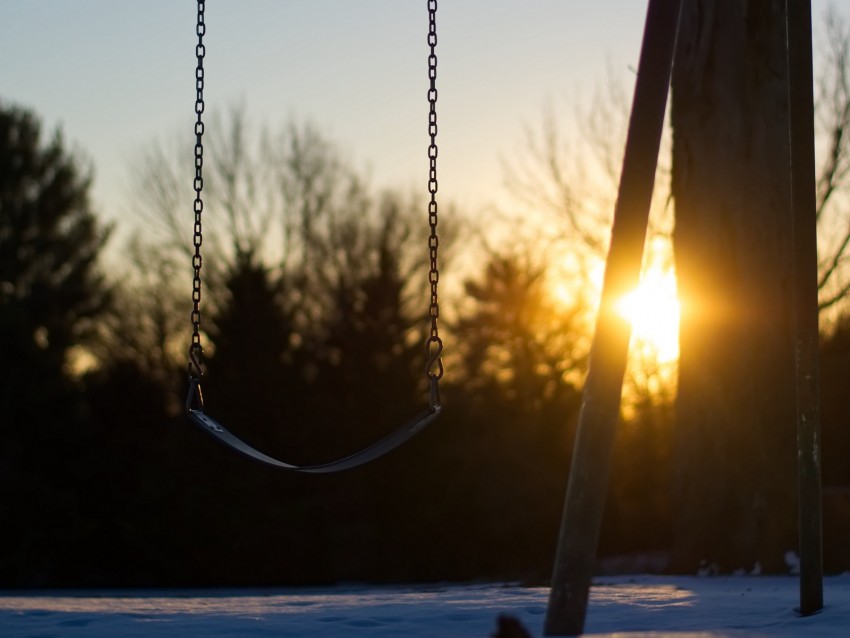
(620,606)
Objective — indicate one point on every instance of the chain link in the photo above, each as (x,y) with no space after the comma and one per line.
(195,349)
(434,344)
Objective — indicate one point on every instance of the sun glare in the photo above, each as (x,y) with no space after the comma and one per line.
(653,310)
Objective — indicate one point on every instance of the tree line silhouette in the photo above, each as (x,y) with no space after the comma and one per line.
(314,324)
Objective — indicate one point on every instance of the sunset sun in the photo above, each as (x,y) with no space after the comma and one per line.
(653,310)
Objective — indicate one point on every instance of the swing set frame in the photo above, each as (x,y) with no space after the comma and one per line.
(585,498)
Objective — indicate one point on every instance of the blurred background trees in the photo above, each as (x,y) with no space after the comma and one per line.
(52,296)
(315,306)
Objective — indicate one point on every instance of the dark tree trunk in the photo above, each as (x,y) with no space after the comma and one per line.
(735,482)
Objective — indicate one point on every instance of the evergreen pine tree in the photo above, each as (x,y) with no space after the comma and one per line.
(51,294)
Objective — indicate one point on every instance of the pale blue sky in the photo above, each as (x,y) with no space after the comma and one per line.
(116,74)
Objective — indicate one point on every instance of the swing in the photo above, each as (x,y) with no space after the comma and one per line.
(433,344)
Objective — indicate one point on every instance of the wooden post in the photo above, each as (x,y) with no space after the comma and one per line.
(600,410)
(805,255)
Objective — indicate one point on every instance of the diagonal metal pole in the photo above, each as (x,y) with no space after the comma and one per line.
(600,410)
(805,259)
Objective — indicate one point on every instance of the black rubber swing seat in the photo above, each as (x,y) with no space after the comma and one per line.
(434,369)
(393,440)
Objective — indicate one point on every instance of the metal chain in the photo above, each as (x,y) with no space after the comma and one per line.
(434,344)
(196,351)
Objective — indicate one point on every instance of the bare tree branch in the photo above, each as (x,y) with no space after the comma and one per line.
(833,115)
